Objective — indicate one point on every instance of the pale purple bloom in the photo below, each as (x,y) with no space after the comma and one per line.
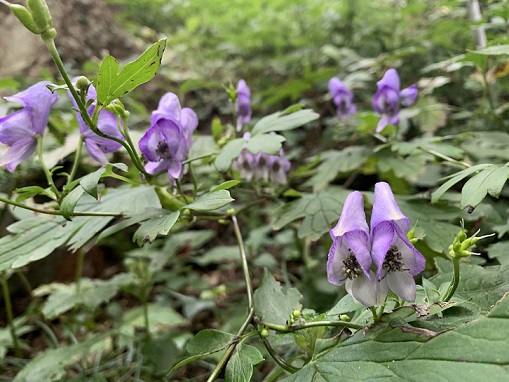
(243,104)
(386,247)
(166,144)
(342,98)
(278,167)
(388,97)
(19,129)
(96,145)
(349,259)
(395,258)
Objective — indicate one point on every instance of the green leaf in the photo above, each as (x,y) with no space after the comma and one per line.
(267,143)
(282,122)
(113,83)
(274,304)
(159,225)
(92,293)
(210,201)
(496,50)
(50,365)
(240,366)
(499,251)
(319,211)
(90,181)
(31,191)
(69,203)
(225,185)
(160,318)
(404,353)
(229,152)
(455,178)
(490,180)
(6,336)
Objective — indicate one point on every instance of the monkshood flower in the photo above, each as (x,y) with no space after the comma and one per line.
(247,162)
(243,104)
(97,146)
(19,129)
(278,167)
(388,97)
(349,259)
(394,256)
(342,98)
(166,144)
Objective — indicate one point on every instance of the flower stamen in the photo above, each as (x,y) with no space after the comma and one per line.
(351,267)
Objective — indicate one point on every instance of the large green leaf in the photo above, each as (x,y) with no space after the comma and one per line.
(267,143)
(478,349)
(211,201)
(281,122)
(157,225)
(114,82)
(229,152)
(273,304)
(489,181)
(240,366)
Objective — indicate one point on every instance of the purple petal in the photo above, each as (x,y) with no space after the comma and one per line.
(385,208)
(95,151)
(352,216)
(336,86)
(155,167)
(409,95)
(382,291)
(149,142)
(363,289)
(243,104)
(384,121)
(242,88)
(413,260)
(390,80)
(15,127)
(336,257)
(18,152)
(403,284)
(382,237)
(170,105)
(175,168)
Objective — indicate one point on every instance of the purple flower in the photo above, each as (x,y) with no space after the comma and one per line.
(166,144)
(342,98)
(349,259)
(395,258)
(278,167)
(243,104)
(19,129)
(353,250)
(98,146)
(388,97)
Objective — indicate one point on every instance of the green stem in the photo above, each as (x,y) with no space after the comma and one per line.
(277,358)
(290,329)
(445,157)
(50,44)
(76,163)
(79,270)
(193,179)
(455,280)
(48,174)
(10,319)
(181,191)
(52,212)
(376,317)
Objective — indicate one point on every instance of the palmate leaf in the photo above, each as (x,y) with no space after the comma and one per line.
(240,365)
(403,353)
(36,237)
(282,121)
(113,82)
(489,181)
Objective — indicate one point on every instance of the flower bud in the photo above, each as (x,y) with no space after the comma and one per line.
(264,333)
(25,17)
(40,14)
(344,317)
(296,314)
(82,84)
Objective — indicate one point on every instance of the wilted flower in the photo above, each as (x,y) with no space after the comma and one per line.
(388,97)
(243,104)
(396,259)
(166,144)
(342,98)
(354,250)
(349,259)
(96,145)
(19,129)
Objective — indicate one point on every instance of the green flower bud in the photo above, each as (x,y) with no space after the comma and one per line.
(344,317)
(25,17)
(40,14)
(82,84)
(296,314)
(264,333)
(230,211)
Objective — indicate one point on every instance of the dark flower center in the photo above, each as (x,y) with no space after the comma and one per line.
(393,260)
(351,266)
(162,150)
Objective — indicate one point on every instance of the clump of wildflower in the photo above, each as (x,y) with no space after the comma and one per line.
(342,98)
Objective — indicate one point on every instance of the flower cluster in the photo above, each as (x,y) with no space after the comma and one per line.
(386,101)
(166,144)
(356,249)
(270,168)
(243,104)
(96,145)
(20,129)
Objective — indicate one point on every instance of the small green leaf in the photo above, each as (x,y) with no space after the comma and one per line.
(267,143)
(240,365)
(273,303)
(229,152)
(210,201)
(159,225)
(225,185)
(282,122)
(491,179)
(70,201)
(113,83)
(31,191)
(90,181)
(496,50)
(209,341)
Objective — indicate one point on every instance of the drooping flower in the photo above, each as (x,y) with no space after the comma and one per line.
(388,97)
(166,144)
(243,104)
(19,129)
(349,259)
(342,98)
(278,167)
(394,256)
(96,145)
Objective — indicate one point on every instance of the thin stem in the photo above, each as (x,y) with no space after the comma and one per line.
(455,279)
(290,329)
(181,191)
(445,157)
(195,159)
(48,174)
(245,267)
(79,270)
(76,163)
(58,213)
(376,317)
(193,179)
(10,319)
(277,358)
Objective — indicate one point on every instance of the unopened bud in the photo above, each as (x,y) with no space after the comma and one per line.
(264,333)
(25,17)
(40,14)
(344,317)
(82,84)
(296,314)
